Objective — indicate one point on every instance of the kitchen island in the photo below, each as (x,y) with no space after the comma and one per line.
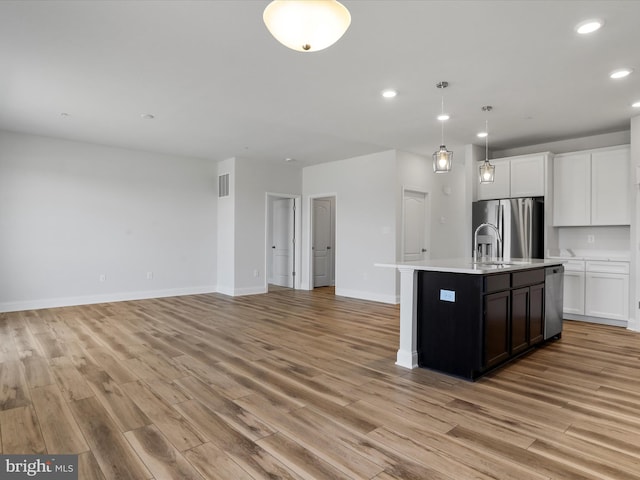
(466,318)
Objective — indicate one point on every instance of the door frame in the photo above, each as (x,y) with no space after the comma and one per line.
(427,219)
(297,231)
(309,243)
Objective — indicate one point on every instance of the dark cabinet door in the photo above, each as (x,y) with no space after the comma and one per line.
(497,308)
(519,320)
(536,314)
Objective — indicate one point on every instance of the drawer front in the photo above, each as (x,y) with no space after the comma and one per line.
(574,266)
(608,267)
(495,283)
(528,277)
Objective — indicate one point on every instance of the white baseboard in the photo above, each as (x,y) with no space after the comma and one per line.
(103,298)
(362,295)
(239,292)
(602,321)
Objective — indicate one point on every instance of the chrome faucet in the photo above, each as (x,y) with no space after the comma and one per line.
(475,240)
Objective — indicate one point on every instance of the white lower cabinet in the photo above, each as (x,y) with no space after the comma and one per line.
(607,290)
(597,289)
(573,295)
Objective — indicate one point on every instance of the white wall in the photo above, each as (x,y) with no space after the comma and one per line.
(366,195)
(70,212)
(253,181)
(225,230)
(634,312)
(414,172)
(452,199)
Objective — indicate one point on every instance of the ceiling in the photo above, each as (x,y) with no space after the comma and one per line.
(220,86)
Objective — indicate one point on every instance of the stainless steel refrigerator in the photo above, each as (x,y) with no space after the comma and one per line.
(520,222)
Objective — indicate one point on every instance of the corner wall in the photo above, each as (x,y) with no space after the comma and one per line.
(365,190)
(71,212)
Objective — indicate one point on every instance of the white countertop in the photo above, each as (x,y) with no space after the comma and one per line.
(467,265)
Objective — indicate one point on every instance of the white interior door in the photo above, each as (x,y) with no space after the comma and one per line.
(283,237)
(323,252)
(415,226)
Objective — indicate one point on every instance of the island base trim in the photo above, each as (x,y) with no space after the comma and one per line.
(407,359)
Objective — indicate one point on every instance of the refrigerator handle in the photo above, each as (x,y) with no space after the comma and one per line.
(500,229)
(529,226)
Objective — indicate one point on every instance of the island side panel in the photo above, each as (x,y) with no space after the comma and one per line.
(407,355)
(449,323)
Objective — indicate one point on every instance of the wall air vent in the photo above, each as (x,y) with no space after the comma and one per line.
(223,185)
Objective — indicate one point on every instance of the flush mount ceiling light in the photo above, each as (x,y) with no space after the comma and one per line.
(487,171)
(589,26)
(482,134)
(636,105)
(390,93)
(306,25)
(442,158)
(621,73)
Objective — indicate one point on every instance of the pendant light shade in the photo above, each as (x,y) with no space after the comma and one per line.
(442,158)
(486,170)
(306,25)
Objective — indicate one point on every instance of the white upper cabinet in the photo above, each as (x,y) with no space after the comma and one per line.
(521,176)
(527,176)
(501,187)
(591,188)
(610,187)
(572,189)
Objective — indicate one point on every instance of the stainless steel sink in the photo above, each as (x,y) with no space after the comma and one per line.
(497,263)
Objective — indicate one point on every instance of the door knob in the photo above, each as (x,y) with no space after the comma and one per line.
(424,250)
(273,246)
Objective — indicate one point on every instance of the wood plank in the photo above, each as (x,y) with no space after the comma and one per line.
(21,432)
(59,428)
(160,456)
(88,468)
(14,391)
(72,383)
(122,409)
(181,433)
(37,371)
(116,458)
(298,459)
(214,464)
(249,455)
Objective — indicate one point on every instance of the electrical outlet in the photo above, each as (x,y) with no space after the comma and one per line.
(149,275)
(591,239)
(102,277)
(256,273)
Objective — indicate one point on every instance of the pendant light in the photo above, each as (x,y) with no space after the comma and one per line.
(306,25)
(442,158)
(487,171)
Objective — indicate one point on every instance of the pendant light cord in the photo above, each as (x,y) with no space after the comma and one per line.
(486,141)
(442,123)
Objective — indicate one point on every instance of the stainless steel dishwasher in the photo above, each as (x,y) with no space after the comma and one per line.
(553,295)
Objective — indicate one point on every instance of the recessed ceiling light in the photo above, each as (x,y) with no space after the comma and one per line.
(589,26)
(289,159)
(636,105)
(389,93)
(443,117)
(482,134)
(621,73)
(64,114)
(148,116)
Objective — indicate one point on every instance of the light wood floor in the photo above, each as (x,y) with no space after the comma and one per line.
(296,384)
